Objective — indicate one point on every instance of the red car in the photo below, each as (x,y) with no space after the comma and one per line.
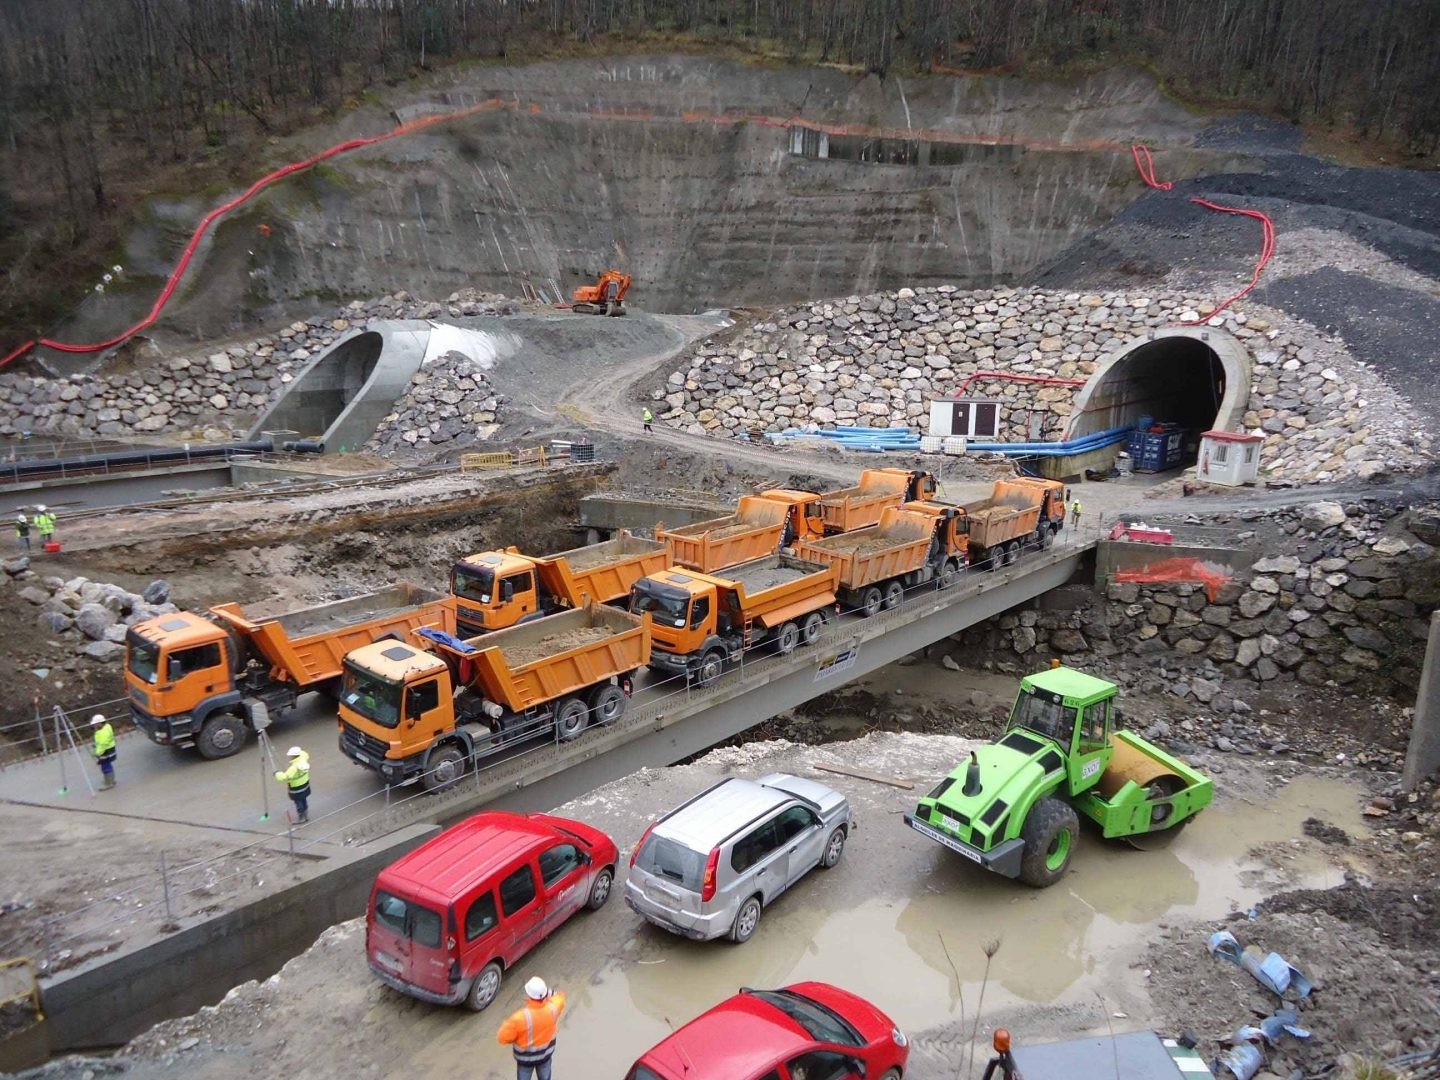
(809,1031)
(450,918)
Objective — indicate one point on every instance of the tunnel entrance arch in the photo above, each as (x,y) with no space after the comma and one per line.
(1197,376)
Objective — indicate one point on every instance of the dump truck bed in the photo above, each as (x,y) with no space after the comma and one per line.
(781,587)
(898,545)
(863,505)
(755,529)
(540,661)
(601,572)
(309,646)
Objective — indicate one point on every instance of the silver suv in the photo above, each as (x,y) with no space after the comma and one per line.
(709,867)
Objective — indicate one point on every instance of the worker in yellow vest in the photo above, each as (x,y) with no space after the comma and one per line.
(104,749)
(297,780)
(44,525)
(530,1031)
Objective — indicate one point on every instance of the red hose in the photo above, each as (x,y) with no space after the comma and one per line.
(1009,376)
(220,211)
(1145,165)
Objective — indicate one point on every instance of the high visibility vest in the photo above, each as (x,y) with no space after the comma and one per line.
(45,523)
(648,416)
(104,740)
(298,774)
(531,1030)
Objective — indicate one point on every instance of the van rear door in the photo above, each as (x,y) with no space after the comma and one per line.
(407,939)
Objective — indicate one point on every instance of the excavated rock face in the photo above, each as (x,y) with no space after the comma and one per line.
(878,360)
(450,401)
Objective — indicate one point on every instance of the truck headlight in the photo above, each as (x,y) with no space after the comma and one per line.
(898,1037)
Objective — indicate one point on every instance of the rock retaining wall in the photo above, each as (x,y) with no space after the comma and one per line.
(1348,603)
(214,395)
(878,360)
(449,397)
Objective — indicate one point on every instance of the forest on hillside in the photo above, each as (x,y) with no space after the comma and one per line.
(99,97)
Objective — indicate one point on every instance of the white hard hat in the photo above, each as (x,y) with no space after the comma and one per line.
(294,751)
(40,509)
(97,719)
(536,990)
(19,517)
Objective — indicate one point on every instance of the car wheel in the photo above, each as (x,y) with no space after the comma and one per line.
(834,848)
(485,987)
(787,638)
(894,595)
(1050,833)
(607,704)
(445,767)
(746,920)
(571,718)
(712,665)
(221,737)
(812,628)
(890,1074)
(871,601)
(600,890)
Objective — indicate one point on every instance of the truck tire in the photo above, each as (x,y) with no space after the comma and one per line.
(894,595)
(571,718)
(1050,834)
(444,769)
(712,666)
(949,573)
(607,705)
(221,736)
(786,638)
(988,559)
(812,628)
(1047,536)
(871,601)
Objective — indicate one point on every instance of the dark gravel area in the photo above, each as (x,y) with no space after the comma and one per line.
(1251,133)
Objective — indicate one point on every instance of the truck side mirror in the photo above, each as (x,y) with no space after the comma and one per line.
(173,668)
(507,591)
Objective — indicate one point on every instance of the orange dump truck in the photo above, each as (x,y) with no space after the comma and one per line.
(761,524)
(861,506)
(1019,513)
(914,543)
(704,621)
(497,589)
(196,680)
(430,709)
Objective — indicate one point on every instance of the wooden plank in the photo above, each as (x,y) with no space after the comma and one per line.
(893,781)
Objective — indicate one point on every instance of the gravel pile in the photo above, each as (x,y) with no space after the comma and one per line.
(212,396)
(450,401)
(878,360)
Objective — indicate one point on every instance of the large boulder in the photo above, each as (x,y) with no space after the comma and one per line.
(103,651)
(157,592)
(93,620)
(1322,515)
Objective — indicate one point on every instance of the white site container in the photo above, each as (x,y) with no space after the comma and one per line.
(1231,458)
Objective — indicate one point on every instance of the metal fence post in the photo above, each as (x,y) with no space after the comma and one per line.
(165,885)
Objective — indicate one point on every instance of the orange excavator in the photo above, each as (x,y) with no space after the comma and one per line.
(605,297)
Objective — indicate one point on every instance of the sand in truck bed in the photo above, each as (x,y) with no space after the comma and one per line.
(764,576)
(554,644)
(724,530)
(589,557)
(866,545)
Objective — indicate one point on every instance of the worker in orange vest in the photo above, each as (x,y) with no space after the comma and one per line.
(531,1031)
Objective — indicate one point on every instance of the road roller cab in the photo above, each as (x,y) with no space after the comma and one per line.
(1013,806)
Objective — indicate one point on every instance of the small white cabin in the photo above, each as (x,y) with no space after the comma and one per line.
(1231,458)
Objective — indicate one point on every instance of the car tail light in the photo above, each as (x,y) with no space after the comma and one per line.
(640,843)
(712,864)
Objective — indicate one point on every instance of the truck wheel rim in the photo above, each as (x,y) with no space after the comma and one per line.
(445,771)
(812,629)
(222,737)
(1059,850)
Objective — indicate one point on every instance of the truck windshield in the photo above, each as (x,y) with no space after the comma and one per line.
(666,606)
(372,697)
(476,584)
(1044,716)
(142,657)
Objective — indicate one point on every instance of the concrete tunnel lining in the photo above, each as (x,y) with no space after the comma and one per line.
(1196,375)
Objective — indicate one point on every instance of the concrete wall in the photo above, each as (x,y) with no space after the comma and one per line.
(1113,555)
(607,513)
(116,998)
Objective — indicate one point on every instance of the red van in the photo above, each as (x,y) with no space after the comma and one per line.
(450,918)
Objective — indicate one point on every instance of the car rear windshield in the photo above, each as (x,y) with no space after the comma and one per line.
(640,1072)
(823,1025)
(420,924)
(666,859)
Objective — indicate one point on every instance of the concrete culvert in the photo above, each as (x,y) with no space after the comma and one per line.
(1198,377)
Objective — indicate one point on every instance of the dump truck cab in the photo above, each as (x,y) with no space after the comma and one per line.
(1012,805)
(178,670)
(804,521)
(684,607)
(404,692)
(495,589)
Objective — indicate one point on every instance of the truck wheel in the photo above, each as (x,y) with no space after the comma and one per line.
(221,736)
(949,573)
(1047,536)
(871,601)
(894,595)
(570,718)
(445,767)
(1050,834)
(812,628)
(988,559)
(485,987)
(607,705)
(746,920)
(712,666)
(1012,553)
(786,638)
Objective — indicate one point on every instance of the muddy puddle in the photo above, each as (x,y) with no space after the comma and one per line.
(1071,943)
